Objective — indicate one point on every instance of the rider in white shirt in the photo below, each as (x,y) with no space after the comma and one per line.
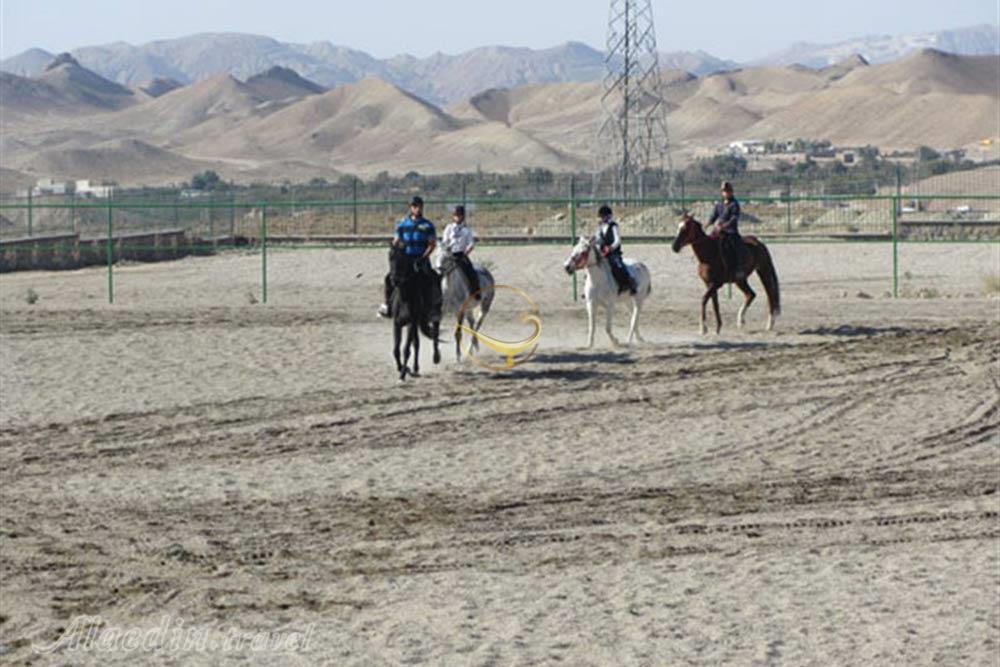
(459,240)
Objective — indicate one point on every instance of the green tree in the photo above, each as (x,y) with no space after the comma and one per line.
(206,180)
(926,154)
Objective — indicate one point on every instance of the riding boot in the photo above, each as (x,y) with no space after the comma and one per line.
(742,259)
(469,271)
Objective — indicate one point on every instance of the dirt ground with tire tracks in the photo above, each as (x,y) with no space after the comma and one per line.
(826,493)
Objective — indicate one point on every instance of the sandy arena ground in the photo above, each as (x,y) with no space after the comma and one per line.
(823,494)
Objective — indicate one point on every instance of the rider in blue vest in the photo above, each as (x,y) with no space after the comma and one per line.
(415,234)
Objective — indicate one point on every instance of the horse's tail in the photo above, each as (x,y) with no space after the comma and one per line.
(768,276)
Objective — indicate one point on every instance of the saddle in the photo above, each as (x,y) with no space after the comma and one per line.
(738,245)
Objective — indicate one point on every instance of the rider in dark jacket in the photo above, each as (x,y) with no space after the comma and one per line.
(726,218)
(609,242)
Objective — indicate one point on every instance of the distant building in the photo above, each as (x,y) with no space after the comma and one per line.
(84,188)
(48,186)
(747,147)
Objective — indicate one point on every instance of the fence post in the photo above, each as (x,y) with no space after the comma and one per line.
(788,208)
(211,221)
(263,252)
(232,216)
(572,222)
(895,247)
(111,253)
(29,209)
(354,195)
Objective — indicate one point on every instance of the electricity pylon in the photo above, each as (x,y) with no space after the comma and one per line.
(632,140)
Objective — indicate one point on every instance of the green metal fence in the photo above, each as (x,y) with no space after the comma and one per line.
(120,227)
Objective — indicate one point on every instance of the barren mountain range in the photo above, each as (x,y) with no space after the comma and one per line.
(439,78)
(69,122)
(446,79)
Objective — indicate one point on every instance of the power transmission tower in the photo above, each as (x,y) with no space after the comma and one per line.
(632,140)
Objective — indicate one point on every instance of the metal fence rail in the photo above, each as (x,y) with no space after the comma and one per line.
(66,233)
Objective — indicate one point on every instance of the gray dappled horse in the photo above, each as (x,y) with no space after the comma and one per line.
(457,293)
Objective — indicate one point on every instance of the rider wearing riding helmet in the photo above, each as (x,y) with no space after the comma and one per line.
(416,236)
(609,243)
(726,219)
(459,240)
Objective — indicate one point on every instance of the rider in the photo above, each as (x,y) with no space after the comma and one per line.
(459,240)
(609,242)
(416,236)
(726,218)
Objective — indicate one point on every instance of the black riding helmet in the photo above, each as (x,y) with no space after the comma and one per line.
(604,210)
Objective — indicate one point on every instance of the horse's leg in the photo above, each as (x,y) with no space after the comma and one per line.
(591,317)
(436,329)
(704,302)
(633,328)
(397,335)
(406,352)
(609,312)
(476,321)
(415,337)
(715,307)
(458,340)
(748,297)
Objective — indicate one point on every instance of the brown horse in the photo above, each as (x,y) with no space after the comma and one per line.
(713,272)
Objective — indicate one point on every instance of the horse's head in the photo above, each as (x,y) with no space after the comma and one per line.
(582,256)
(445,262)
(688,231)
(400,266)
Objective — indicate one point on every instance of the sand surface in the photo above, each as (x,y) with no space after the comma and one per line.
(826,493)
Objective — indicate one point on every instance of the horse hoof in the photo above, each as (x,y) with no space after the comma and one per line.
(415,374)
(437,357)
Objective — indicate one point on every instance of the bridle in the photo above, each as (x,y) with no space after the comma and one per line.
(581,260)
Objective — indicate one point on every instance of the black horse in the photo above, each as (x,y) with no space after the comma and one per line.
(413,305)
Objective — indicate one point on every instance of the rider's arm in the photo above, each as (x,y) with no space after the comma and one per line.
(472,240)
(715,214)
(397,239)
(431,245)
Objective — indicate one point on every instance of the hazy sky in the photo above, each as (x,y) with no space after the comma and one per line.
(736,29)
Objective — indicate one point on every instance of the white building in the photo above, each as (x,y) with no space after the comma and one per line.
(747,146)
(48,186)
(85,188)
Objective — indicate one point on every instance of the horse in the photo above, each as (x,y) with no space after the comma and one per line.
(456,292)
(713,273)
(411,307)
(600,288)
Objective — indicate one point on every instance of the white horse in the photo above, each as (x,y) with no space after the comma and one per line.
(601,289)
(455,292)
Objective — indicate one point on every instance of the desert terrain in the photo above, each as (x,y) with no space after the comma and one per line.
(69,122)
(826,493)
